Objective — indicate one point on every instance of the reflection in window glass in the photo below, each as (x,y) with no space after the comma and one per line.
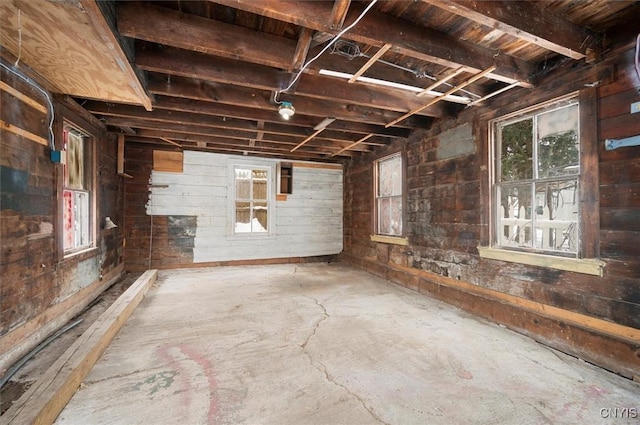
(536,181)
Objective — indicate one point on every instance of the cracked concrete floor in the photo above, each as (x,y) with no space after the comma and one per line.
(328,344)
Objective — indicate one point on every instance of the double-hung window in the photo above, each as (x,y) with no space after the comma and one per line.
(536,179)
(389,195)
(77,193)
(252,186)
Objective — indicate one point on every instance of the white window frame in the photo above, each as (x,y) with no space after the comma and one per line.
(78,200)
(271,200)
(555,260)
(378,236)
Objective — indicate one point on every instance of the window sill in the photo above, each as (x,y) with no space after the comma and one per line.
(395,240)
(578,265)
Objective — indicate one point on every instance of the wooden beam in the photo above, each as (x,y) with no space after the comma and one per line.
(315,133)
(187,88)
(23,133)
(172,28)
(351,146)
(195,65)
(45,399)
(339,13)
(171,142)
(447,93)
(302,49)
(527,22)
(370,62)
(378,28)
(23,97)
(443,80)
(495,93)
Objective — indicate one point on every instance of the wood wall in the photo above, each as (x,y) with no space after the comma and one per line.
(182,218)
(448,213)
(40,289)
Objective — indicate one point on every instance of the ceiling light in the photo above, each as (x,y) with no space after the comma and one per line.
(286,110)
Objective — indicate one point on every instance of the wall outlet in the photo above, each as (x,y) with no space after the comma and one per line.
(635,107)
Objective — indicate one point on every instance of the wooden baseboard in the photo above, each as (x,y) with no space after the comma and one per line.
(18,342)
(45,399)
(609,345)
(259,262)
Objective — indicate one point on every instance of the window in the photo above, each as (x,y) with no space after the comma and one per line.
(536,179)
(252,186)
(389,195)
(77,194)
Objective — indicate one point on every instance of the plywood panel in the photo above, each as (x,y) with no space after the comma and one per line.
(61,43)
(167,161)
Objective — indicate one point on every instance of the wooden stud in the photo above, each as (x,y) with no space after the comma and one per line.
(370,62)
(23,133)
(441,81)
(23,97)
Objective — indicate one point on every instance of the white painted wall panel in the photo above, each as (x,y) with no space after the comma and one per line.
(308,223)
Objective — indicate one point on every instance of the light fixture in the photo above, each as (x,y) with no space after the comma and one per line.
(108,224)
(286,110)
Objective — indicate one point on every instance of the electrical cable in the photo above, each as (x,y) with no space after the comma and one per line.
(637,57)
(333,40)
(46,95)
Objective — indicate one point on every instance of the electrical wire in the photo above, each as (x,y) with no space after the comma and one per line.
(46,95)
(351,50)
(333,40)
(637,57)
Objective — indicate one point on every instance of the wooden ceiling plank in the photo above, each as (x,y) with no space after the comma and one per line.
(370,62)
(172,28)
(195,65)
(302,49)
(442,96)
(378,28)
(443,80)
(525,22)
(339,13)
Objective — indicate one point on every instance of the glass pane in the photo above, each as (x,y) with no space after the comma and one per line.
(68,219)
(243,184)
(396,216)
(384,216)
(390,176)
(260,189)
(514,216)
(81,219)
(243,217)
(558,143)
(259,222)
(75,161)
(557,216)
(516,152)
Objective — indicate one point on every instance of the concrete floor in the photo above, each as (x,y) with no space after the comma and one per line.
(328,344)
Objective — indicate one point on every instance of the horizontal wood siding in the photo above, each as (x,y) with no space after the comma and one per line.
(308,223)
(35,277)
(448,216)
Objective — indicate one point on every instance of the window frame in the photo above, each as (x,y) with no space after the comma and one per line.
(586,260)
(271,200)
(88,190)
(399,239)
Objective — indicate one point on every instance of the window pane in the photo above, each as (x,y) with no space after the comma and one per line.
(243,217)
(259,189)
(557,215)
(75,161)
(514,216)
(516,151)
(558,144)
(396,216)
(384,216)
(243,184)
(390,176)
(259,222)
